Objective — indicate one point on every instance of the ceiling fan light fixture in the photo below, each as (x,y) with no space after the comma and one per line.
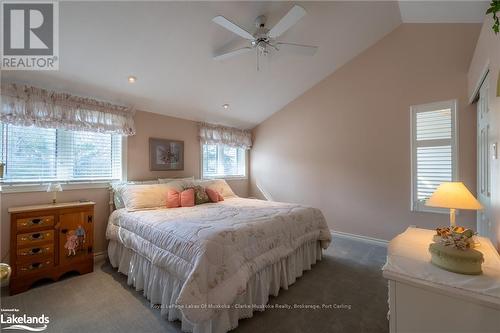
(263,40)
(131,79)
(225,106)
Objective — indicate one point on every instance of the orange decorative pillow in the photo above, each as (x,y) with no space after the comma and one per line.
(221,197)
(173,199)
(187,198)
(213,195)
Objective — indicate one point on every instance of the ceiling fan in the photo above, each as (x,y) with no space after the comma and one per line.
(264,39)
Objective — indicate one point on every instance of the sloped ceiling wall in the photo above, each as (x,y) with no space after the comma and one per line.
(168,46)
(344,145)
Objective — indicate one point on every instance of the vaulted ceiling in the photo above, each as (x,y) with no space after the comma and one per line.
(169,46)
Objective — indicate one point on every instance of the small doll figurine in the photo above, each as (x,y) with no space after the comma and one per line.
(71,242)
(80,233)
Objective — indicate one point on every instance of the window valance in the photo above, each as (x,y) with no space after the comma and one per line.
(234,137)
(31,106)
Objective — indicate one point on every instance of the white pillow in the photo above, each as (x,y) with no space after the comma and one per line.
(219,185)
(139,197)
(118,188)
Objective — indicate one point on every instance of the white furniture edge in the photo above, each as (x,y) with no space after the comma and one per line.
(361,238)
(466,295)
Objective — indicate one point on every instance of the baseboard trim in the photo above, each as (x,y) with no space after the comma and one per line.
(100,255)
(361,238)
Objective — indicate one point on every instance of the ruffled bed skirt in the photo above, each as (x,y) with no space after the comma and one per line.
(162,289)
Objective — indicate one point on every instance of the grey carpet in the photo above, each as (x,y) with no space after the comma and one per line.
(349,276)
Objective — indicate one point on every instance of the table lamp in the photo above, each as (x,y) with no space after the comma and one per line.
(453,195)
(54,188)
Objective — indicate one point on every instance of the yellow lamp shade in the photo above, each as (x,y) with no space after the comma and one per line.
(453,195)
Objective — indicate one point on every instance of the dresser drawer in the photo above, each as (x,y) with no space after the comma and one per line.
(34,222)
(34,265)
(35,252)
(33,238)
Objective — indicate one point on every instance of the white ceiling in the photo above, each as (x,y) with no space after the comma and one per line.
(168,46)
(442,11)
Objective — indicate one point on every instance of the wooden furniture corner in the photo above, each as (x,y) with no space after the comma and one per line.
(48,241)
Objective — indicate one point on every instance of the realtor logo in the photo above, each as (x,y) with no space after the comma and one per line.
(30,38)
(11,319)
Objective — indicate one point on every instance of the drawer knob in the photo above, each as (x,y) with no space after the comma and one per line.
(36,221)
(35,250)
(35,265)
(36,236)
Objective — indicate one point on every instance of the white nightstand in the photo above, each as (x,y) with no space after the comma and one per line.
(425,298)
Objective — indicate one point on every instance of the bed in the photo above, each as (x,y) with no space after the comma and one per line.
(213,264)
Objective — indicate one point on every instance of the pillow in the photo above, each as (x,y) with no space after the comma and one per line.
(213,195)
(117,194)
(173,199)
(119,187)
(221,198)
(187,198)
(200,195)
(219,185)
(139,197)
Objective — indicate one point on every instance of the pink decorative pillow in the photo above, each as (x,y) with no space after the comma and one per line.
(187,198)
(173,199)
(213,195)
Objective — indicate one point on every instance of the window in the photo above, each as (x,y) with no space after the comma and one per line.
(219,160)
(34,154)
(434,150)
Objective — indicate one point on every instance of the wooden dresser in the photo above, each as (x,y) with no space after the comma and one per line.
(50,240)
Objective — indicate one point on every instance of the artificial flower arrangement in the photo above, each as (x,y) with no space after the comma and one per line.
(453,251)
(458,237)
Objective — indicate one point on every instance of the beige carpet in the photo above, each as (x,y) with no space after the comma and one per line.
(349,277)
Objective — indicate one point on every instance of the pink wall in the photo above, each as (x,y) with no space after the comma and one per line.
(487,55)
(344,145)
(147,125)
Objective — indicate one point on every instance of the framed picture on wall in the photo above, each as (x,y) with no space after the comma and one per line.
(166,154)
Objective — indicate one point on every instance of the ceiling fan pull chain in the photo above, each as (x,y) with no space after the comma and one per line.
(258,67)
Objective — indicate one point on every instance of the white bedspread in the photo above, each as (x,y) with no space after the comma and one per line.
(216,248)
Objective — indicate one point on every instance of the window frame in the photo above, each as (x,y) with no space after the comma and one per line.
(244,177)
(41,186)
(415,205)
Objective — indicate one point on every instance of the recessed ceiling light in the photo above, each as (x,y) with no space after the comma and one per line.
(132,79)
(225,106)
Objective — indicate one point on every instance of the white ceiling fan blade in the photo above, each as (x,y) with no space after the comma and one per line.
(292,17)
(297,48)
(233,53)
(224,22)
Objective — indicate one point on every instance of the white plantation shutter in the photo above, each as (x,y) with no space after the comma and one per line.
(33,154)
(434,149)
(219,160)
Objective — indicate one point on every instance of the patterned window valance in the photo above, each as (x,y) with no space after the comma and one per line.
(31,106)
(226,135)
